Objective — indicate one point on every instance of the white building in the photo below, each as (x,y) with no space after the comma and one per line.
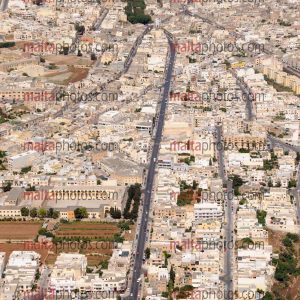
(68,268)
(207,211)
(21,269)
(69,273)
(22,160)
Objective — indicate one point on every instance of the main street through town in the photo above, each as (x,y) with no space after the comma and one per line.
(228,225)
(143,229)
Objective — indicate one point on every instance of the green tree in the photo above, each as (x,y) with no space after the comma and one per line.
(292,183)
(2,154)
(24,212)
(33,213)
(7,186)
(104,264)
(50,212)
(42,213)
(236,181)
(287,242)
(55,214)
(261,216)
(80,213)
(65,50)
(278,183)
(195,184)
(7,44)
(267,296)
(37,275)
(298,157)
(293,237)
(118,238)
(79,28)
(171,280)
(167,256)
(124,225)
(115,213)
(147,253)
(25,170)
(243,201)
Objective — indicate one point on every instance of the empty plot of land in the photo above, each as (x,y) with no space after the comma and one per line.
(275,239)
(130,235)
(95,251)
(91,230)
(95,260)
(71,75)
(10,247)
(70,60)
(19,230)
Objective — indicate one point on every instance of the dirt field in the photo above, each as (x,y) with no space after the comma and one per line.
(19,230)
(95,251)
(10,247)
(95,260)
(68,60)
(71,75)
(92,230)
(130,235)
(275,238)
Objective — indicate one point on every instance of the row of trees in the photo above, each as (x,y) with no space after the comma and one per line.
(7,44)
(40,213)
(80,213)
(131,210)
(115,213)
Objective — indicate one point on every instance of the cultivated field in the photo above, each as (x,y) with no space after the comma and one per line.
(90,230)
(19,230)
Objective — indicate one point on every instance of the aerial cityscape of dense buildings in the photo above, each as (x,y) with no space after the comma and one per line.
(149,149)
